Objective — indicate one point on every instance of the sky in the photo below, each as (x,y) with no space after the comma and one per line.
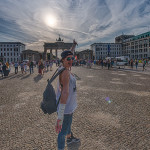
(34,22)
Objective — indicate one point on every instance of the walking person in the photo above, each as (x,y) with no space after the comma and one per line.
(143,62)
(1,71)
(68,104)
(31,67)
(16,67)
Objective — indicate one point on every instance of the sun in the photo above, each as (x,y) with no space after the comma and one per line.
(50,21)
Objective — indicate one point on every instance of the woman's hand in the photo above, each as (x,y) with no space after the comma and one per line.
(58,126)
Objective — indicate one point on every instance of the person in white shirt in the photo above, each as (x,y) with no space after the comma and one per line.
(16,67)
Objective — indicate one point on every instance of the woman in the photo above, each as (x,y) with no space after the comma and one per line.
(67,105)
(41,66)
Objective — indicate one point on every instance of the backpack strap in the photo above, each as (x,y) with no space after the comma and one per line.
(55,75)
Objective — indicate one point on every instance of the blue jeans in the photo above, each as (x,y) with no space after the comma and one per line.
(31,70)
(66,129)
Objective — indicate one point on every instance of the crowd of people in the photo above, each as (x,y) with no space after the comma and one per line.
(45,66)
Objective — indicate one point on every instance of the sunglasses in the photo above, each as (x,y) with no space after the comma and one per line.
(70,58)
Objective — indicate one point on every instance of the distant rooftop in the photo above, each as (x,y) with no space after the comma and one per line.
(140,36)
(11,43)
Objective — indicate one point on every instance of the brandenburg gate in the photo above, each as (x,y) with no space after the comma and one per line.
(58,45)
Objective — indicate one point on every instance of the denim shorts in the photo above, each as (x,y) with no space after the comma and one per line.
(66,129)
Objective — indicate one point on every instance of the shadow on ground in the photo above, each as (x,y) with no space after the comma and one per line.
(74,146)
(38,78)
(77,77)
(25,76)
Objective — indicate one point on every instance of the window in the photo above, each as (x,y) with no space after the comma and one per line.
(97,49)
(11,54)
(4,54)
(7,49)
(4,49)
(14,54)
(7,54)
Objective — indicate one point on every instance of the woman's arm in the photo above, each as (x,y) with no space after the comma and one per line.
(64,81)
(72,49)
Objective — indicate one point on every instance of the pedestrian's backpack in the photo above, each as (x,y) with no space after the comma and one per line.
(48,104)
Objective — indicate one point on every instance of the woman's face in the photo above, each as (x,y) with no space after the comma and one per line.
(67,62)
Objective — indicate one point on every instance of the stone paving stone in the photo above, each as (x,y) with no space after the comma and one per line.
(123,124)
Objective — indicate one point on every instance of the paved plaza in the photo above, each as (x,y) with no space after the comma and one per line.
(123,123)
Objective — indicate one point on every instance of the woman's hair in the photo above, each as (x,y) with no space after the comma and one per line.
(64,54)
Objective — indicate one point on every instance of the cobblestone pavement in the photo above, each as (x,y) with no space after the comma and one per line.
(123,124)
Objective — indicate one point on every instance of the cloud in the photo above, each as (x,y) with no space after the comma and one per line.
(88,21)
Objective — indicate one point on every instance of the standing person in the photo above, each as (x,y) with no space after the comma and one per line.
(25,67)
(41,68)
(51,65)
(16,67)
(143,65)
(68,104)
(22,67)
(131,63)
(136,63)
(4,67)
(108,63)
(31,67)
(1,71)
(102,63)
(56,62)
(47,65)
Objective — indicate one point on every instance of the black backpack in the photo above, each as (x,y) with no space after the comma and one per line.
(48,104)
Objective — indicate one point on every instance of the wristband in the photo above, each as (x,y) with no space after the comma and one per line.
(61,112)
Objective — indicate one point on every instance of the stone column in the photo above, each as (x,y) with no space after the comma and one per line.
(56,53)
(51,54)
(45,54)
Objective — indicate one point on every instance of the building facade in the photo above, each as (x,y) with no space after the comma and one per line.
(103,50)
(10,51)
(31,55)
(137,47)
(85,54)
